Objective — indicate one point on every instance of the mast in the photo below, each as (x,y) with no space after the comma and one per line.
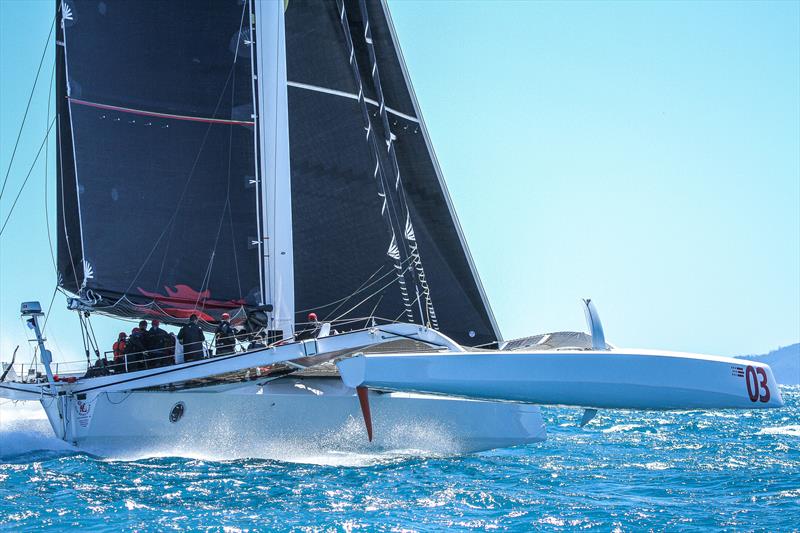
(272,124)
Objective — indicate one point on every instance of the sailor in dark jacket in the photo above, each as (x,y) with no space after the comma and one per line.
(158,344)
(225,336)
(135,351)
(192,338)
(145,334)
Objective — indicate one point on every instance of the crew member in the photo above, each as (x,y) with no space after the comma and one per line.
(135,351)
(159,343)
(119,352)
(192,338)
(144,332)
(225,336)
(313,329)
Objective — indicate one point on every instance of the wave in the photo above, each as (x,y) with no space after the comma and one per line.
(620,427)
(792,431)
(24,429)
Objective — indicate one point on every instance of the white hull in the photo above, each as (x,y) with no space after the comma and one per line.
(621,379)
(311,414)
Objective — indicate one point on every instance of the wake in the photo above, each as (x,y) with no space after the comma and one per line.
(24,429)
(25,432)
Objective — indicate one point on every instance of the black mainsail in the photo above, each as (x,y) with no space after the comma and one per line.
(156,140)
(174,193)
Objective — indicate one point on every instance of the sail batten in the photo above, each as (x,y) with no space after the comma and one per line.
(344,94)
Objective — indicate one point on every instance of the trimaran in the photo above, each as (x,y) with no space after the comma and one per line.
(268,158)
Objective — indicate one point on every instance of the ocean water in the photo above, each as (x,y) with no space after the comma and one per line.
(626,471)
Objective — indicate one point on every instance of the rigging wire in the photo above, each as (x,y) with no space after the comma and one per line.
(364,286)
(395,280)
(49,308)
(46,168)
(235,251)
(84,338)
(27,107)
(226,206)
(171,224)
(342,300)
(51,336)
(372,313)
(418,273)
(22,187)
(93,338)
(230,144)
(59,153)
(389,209)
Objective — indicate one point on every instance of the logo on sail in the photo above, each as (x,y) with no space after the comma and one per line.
(88,273)
(66,11)
(183,301)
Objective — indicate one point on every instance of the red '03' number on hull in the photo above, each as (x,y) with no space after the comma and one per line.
(757,387)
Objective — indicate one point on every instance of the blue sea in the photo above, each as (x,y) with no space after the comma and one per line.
(626,471)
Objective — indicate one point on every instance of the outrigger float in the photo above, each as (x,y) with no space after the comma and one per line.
(598,378)
(267,159)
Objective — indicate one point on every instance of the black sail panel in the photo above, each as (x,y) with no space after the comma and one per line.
(341,268)
(159,96)
(334,167)
(161,56)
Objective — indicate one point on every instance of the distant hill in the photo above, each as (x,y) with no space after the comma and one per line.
(785,363)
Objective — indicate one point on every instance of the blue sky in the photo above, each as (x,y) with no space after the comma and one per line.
(643,154)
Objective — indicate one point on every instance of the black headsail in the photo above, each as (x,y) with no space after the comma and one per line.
(158,204)
(374,230)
